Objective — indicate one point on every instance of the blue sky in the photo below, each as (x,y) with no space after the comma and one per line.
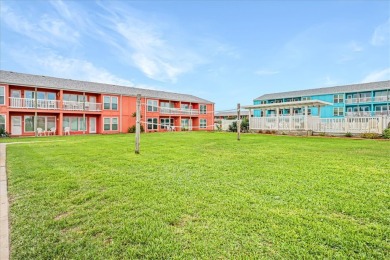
(228,52)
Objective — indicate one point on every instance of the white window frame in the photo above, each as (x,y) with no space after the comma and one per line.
(45,128)
(164,124)
(110,103)
(338,111)
(338,98)
(5,121)
(152,105)
(78,120)
(203,124)
(110,123)
(3,95)
(152,125)
(203,111)
(24,121)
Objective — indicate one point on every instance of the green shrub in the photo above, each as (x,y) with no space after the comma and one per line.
(386,133)
(370,135)
(348,134)
(322,134)
(244,126)
(233,127)
(131,129)
(3,133)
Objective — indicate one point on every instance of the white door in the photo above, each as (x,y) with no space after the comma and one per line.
(16,125)
(190,124)
(92,125)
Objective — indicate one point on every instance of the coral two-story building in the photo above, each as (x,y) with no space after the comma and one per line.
(39,105)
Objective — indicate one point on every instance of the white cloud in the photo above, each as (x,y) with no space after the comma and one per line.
(377,76)
(381,35)
(355,47)
(79,69)
(149,45)
(48,29)
(265,72)
(49,63)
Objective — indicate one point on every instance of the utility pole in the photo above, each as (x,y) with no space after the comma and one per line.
(137,125)
(238,122)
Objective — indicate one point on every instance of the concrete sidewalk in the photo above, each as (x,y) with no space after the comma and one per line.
(4,224)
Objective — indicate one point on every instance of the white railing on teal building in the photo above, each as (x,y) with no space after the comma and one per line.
(370,124)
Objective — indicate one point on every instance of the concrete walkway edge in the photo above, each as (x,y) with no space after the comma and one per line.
(4,224)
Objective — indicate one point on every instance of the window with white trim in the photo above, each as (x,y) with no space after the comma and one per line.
(203,109)
(338,98)
(152,123)
(110,124)
(2,95)
(28,124)
(2,123)
(152,105)
(338,111)
(166,123)
(75,123)
(44,122)
(110,103)
(203,123)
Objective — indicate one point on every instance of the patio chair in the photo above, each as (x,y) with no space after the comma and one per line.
(67,130)
(52,131)
(40,131)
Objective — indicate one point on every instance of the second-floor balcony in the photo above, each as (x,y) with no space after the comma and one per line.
(367,113)
(31,103)
(367,99)
(179,111)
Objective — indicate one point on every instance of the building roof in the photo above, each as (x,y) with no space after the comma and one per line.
(380,85)
(22,79)
(232,113)
(292,104)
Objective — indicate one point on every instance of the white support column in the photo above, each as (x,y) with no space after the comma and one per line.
(277,118)
(291,118)
(306,118)
(249,118)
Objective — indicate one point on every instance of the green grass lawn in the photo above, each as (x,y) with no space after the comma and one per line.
(199,195)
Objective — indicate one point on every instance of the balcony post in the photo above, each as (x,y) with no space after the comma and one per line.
(36,113)
(61,99)
(306,118)
(60,121)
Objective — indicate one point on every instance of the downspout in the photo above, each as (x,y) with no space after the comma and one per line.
(85,122)
(120,116)
(145,108)
(36,113)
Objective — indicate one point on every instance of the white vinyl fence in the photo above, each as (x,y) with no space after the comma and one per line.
(316,124)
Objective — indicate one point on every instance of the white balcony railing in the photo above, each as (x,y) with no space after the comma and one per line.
(81,106)
(381,98)
(351,100)
(382,113)
(29,103)
(358,114)
(179,111)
